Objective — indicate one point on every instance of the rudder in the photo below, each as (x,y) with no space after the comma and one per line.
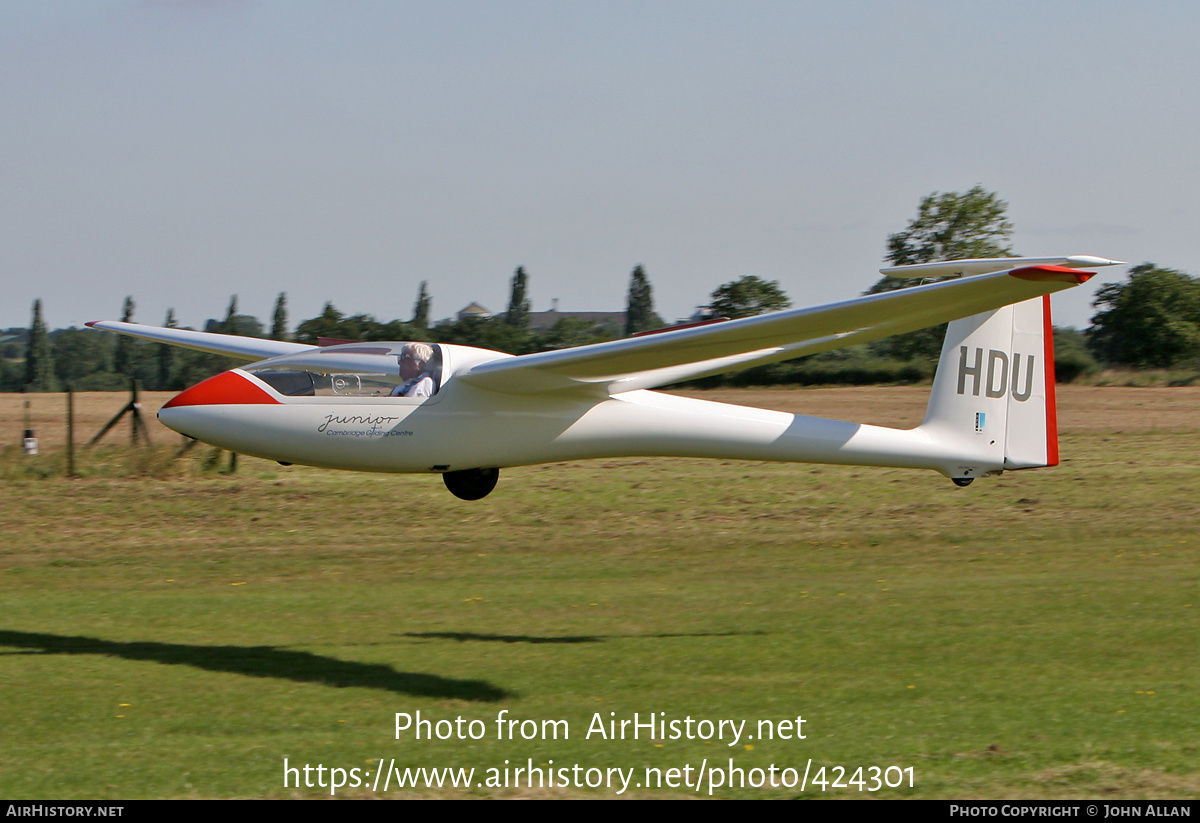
(1032,439)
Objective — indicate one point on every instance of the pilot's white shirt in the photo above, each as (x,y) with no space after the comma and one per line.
(419,386)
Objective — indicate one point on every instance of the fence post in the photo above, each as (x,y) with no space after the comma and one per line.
(70,431)
(29,441)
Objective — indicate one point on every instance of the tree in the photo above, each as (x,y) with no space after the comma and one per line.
(12,375)
(747,297)
(328,324)
(1072,359)
(83,360)
(331,323)
(16,341)
(639,309)
(421,308)
(39,361)
(948,226)
(166,356)
(953,226)
(568,332)
(517,315)
(241,324)
(279,327)
(123,359)
(1153,320)
(484,333)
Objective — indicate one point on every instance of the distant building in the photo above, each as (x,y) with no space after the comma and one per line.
(612,321)
(474,310)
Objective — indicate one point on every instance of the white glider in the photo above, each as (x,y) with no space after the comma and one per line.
(991,407)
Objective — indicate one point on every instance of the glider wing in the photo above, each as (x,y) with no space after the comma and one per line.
(231,345)
(659,359)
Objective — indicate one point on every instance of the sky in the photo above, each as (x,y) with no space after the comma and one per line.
(183,151)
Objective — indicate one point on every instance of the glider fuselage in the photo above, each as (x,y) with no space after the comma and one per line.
(991,407)
(463,427)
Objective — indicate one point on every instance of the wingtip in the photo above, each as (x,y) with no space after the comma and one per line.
(1088,261)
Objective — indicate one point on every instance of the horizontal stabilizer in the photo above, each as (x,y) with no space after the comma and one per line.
(986,265)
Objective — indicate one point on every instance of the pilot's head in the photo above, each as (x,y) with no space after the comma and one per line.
(413,359)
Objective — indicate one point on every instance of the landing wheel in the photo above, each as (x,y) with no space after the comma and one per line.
(471,484)
(963,481)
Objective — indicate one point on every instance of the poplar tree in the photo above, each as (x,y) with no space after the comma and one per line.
(421,308)
(123,357)
(166,355)
(639,309)
(279,328)
(517,315)
(39,362)
(230,324)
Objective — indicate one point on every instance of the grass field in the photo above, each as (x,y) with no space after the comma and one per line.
(182,632)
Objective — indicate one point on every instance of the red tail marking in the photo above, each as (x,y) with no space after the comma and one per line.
(1056,274)
(1051,401)
(227,388)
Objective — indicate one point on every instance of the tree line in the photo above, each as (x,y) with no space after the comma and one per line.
(1150,321)
(36,359)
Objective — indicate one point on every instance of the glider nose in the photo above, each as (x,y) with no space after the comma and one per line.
(226,389)
(194,413)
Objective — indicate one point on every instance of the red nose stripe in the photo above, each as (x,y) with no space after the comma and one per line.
(224,389)
(1059,274)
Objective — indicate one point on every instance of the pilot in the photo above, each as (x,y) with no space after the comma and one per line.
(414,359)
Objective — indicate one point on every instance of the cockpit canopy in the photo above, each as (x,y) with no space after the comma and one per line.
(348,370)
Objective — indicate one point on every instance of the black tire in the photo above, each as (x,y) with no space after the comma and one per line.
(471,484)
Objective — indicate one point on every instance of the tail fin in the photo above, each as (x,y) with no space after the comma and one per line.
(994,390)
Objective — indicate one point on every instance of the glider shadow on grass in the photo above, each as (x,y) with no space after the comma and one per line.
(463,637)
(264,661)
